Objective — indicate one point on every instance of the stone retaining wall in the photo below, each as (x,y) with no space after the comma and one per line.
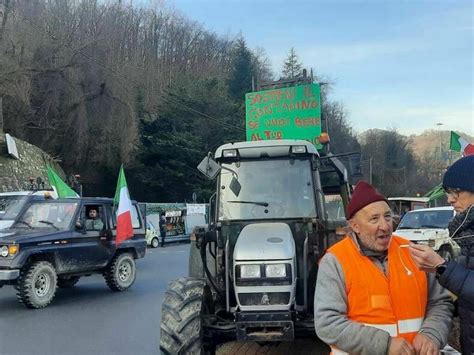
(15,174)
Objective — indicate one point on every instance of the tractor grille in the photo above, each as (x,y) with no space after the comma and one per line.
(264,298)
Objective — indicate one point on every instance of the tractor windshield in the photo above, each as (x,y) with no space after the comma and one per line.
(279,188)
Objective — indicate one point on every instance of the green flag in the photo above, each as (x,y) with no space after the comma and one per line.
(121,183)
(454,143)
(62,189)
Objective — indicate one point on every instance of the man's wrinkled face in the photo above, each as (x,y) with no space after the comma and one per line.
(373,225)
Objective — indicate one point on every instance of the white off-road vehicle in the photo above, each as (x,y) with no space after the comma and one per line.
(430,226)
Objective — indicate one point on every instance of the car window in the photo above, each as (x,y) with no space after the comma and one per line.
(135,219)
(10,206)
(55,215)
(334,207)
(93,215)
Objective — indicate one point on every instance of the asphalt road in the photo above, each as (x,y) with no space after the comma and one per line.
(91,319)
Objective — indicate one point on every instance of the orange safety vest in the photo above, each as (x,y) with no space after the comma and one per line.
(396,302)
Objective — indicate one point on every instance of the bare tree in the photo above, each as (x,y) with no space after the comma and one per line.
(70,71)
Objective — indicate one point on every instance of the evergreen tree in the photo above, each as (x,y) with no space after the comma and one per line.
(192,120)
(169,151)
(240,78)
(292,66)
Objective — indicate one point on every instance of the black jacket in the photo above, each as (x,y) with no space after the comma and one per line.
(459,275)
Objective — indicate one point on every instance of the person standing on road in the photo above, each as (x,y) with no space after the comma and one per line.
(162,229)
(457,275)
(370,298)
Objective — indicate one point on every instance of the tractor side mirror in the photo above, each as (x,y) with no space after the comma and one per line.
(209,167)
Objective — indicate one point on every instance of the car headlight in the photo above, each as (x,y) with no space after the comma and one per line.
(4,251)
(249,271)
(9,250)
(275,270)
(430,242)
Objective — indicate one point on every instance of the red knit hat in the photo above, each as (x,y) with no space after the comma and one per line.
(364,194)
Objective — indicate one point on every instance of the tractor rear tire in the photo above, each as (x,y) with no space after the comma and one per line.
(195,266)
(186,302)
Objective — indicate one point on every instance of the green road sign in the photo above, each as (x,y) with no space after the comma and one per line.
(286,113)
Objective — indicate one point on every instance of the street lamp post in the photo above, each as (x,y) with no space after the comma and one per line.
(321,84)
(439,124)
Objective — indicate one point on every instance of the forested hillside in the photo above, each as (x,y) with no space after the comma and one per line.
(98,85)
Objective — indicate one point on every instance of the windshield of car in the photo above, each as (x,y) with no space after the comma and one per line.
(10,206)
(281,188)
(426,219)
(50,215)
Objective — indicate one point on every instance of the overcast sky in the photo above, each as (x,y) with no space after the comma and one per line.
(395,64)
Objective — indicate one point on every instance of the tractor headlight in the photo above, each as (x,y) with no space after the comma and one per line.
(298,149)
(229,153)
(275,270)
(249,271)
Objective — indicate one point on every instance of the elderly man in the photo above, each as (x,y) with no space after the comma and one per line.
(370,297)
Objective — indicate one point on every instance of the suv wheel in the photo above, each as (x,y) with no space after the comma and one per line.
(155,242)
(187,302)
(120,273)
(67,282)
(36,285)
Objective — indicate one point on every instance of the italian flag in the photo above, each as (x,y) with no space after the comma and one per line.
(124,217)
(459,144)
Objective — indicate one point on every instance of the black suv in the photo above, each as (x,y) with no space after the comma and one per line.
(55,242)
